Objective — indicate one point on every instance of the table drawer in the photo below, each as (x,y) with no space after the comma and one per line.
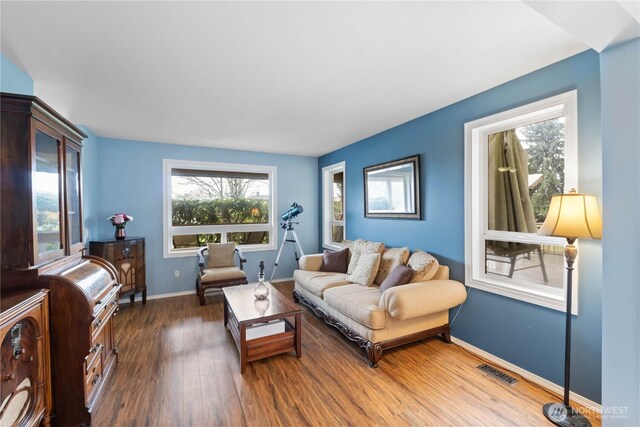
(93,378)
(103,316)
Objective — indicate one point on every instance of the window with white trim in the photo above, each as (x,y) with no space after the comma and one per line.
(514,162)
(207,202)
(333,205)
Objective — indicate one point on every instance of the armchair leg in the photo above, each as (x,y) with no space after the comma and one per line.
(200,292)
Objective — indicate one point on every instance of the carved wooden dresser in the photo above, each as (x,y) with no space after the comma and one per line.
(25,372)
(127,256)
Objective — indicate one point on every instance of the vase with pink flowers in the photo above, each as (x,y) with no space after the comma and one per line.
(119,220)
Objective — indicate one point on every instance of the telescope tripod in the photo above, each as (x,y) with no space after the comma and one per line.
(296,245)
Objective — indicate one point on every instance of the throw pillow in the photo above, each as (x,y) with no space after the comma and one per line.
(424,266)
(391,258)
(349,245)
(363,247)
(401,275)
(335,262)
(364,273)
(221,255)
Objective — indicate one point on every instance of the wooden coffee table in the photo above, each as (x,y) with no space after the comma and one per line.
(242,310)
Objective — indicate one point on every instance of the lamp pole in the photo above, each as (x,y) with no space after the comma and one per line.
(571,216)
(570,253)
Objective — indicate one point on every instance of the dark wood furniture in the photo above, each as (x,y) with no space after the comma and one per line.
(208,279)
(128,257)
(41,243)
(241,310)
(25,373)
(84,299)
(41,195)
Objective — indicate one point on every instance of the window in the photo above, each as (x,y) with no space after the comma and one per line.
(514,162)
(216,203)
(333,204)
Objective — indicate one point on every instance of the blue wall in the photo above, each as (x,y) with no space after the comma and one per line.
(620,71)
(527,335)
(13,79)
(130,180)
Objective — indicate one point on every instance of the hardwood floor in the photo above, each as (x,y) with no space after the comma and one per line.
(179,367)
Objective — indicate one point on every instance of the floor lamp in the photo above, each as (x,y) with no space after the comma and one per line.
(573,216)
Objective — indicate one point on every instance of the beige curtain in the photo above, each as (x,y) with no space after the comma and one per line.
(509,202)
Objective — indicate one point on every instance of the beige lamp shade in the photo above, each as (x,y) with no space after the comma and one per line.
(574,216)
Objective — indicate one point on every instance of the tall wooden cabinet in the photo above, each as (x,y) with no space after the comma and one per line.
(41,195)
(127,256)
(41,246)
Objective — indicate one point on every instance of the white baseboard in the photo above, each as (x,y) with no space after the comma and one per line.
(126,299)
(530,376)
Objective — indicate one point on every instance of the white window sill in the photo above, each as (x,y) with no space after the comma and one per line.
(192,252)
(331,247)
(550,300)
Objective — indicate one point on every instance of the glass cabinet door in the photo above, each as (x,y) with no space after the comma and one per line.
(46,194)
(72,178)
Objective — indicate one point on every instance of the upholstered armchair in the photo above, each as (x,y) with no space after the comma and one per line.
(218,268)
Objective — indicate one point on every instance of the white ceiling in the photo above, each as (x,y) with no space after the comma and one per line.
(288,77)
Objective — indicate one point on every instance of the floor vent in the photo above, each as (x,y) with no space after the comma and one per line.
(497,374)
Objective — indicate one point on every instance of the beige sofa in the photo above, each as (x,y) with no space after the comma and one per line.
(373,319)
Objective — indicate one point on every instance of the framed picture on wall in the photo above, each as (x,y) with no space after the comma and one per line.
(392,189)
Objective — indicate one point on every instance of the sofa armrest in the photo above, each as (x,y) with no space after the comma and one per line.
(422,298)
(311,262)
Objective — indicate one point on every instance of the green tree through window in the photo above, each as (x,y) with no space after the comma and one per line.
(544,142)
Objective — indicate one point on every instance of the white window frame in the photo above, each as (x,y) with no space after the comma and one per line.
(169,230)
(327,204)
(476,199)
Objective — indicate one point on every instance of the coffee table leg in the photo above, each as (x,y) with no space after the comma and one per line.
(226,311)
(299,335)
(243,347)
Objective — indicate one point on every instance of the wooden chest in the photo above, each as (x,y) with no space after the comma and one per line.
(128,257)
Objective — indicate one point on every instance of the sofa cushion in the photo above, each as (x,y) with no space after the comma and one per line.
(366,270)
(424,266)
(311,262)
(391,258)
(399,276)
(358,303)
(221,255)
(317,282)
(335,262)
(363,247)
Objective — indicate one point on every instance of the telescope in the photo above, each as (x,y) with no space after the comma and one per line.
(293,212)
(287,225)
